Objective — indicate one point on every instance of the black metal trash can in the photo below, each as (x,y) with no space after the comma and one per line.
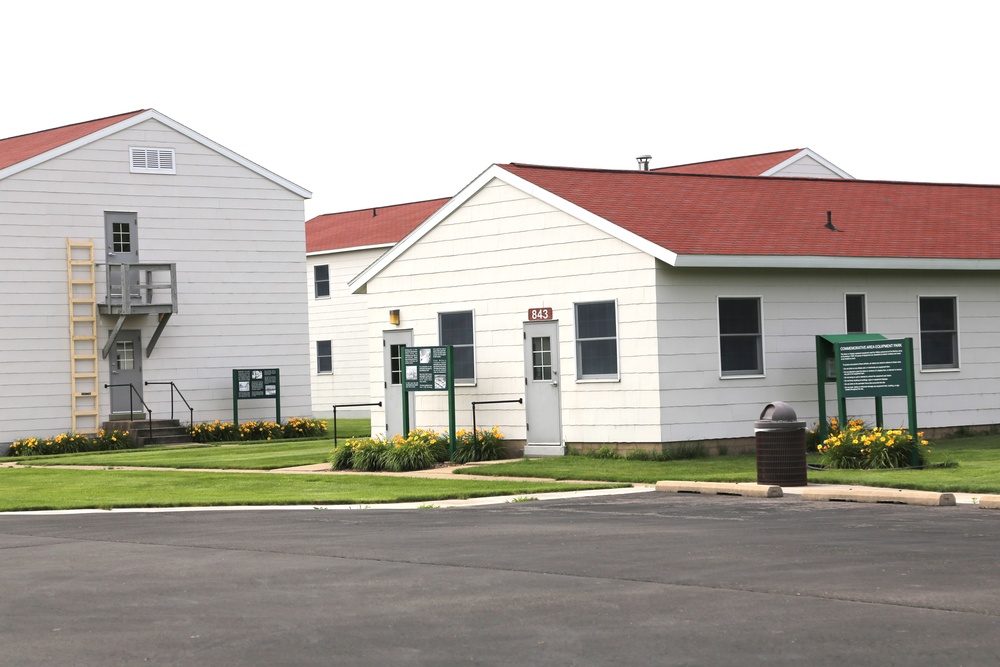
(781,446)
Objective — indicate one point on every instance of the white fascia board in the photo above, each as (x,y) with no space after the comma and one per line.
(807,152)
(499,173)
(841,263)
(73,145)
(235,157)
(316,253)
(140,118)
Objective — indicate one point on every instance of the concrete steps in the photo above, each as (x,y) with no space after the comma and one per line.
(164,431)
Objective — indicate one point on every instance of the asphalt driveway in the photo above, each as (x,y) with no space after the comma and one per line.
(645,578)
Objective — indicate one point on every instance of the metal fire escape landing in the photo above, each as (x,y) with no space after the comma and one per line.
(139,289)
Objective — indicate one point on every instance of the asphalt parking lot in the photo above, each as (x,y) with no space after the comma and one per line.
(644,578)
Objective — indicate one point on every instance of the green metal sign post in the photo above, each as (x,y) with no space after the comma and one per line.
(429,369)
(253,383)
(866,365)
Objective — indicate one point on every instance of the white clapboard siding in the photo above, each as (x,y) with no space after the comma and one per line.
(237,240)
(340,318)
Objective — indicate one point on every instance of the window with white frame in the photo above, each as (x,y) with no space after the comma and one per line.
(324,356)
(938,332)
(855,313)
(321,280)
(151,160)
(596,340)
(456,329)
(741,338)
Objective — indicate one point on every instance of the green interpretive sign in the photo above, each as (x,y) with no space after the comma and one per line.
(872,368)
(429,369)
(426,368)
(250,383)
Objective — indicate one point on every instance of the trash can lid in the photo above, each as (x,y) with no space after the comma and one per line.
(779,412)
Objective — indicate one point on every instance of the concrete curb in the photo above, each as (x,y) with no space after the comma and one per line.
(747,490)
(989,502)
(867,495)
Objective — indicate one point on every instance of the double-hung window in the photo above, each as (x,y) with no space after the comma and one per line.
(741,338)
(938,332)
(596,341)
(321,280)
(324,357)
(456,329)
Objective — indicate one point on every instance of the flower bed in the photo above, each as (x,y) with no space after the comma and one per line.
(420,450)
(859,446)
(70,443)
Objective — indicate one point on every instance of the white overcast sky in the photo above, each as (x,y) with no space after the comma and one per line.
(369,103)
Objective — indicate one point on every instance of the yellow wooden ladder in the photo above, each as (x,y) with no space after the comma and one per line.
(82,335)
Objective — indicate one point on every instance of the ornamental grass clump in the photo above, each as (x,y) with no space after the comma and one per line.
(303,427)
(483,445)
(860,447)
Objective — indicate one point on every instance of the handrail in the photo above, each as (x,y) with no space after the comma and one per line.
(475,433)
(348,405)
(135,392)
(173,388)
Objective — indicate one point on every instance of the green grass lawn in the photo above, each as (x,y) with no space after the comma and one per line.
(47,488)
(225,456)
(977,470)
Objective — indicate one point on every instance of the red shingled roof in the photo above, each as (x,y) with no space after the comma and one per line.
(384,225)
(26,146)
(748,165)
(733,215)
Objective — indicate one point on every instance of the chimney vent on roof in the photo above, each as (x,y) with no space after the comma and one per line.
(643,161)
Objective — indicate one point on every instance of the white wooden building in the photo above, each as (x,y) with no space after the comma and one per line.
(213,251)
(648,307)
(339,246)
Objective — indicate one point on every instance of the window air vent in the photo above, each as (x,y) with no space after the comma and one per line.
(152,160)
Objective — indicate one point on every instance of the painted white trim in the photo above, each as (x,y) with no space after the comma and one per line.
(580,377)
(806,152)
(317,253)
(140,118)
(845,263)
(499,173)
(462,382)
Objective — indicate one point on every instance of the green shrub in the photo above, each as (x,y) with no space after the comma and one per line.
(341,456)
(603,452)
(685,450)
(859,446)
(483,445)
(262,430)
(369,454)
(640,455)
(410,454)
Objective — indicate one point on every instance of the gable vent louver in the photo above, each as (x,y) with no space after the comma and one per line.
(152,160)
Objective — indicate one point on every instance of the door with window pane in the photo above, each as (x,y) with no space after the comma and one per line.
(541,389)
(122,247)
(392,345)
(126,374)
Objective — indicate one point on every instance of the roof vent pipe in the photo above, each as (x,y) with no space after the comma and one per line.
(643,161)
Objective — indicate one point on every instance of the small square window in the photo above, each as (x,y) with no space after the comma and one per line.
(324,356)
(854,306)
(321,280)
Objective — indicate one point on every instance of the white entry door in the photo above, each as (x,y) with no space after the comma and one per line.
(541,389)
(392,343)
